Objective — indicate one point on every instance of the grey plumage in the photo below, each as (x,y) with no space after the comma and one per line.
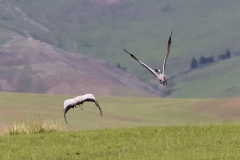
(79,100)
(161,76)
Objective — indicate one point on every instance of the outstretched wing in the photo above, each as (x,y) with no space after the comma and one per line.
(66,110)
(91,98)
(150,69)
(96,102)
(168,50)
(65,115)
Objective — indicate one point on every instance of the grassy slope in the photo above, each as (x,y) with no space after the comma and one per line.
(182,142)
(218,80)
(119,111)
(143,27)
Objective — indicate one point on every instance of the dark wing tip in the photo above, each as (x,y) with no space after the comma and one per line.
(126,50)
(96,102)
(131,54)
(170,39)
(64,112)
(169,43)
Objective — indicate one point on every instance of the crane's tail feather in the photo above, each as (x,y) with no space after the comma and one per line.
(65,115)
(96,102)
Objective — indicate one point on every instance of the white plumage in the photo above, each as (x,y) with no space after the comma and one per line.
(161,76)
(79,100)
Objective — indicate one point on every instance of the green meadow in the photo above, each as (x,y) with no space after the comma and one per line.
(117,111)
(168,142)
(131,128)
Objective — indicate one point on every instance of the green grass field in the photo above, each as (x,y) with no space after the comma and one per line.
(118,111)
(169,142)
(131,128)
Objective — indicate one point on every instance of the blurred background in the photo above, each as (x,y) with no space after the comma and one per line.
(76,46)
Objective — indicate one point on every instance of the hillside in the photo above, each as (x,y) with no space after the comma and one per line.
(29,65)
(217,80)
(100,29)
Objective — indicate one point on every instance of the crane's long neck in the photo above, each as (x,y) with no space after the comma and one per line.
(163,73)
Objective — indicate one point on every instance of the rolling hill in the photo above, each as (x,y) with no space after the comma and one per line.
(100,29)
(217,80)
(29,65)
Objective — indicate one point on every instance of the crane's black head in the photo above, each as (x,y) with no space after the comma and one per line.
(157,70)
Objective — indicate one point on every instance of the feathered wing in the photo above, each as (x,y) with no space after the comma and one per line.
(90,98)
(168,50)
(66,110)
(97,104)
(150,69)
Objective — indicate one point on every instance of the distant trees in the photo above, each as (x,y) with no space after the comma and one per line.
(194,63)
(225,56)
(120,67)
(207,60)
(202,61)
